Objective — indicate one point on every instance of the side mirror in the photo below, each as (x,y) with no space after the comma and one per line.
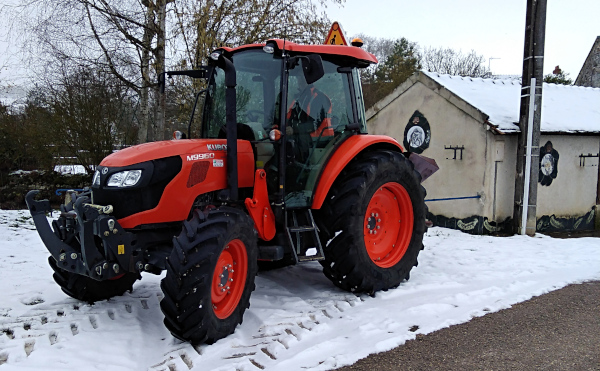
(312,66)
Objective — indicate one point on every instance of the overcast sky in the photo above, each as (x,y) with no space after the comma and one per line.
(493,28)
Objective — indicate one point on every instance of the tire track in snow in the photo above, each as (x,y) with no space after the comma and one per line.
(281,337)
(46,325)
(285,339)
(271,339)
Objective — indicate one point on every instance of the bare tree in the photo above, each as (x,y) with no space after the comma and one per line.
(452,62)
(381,47)
(88,109)
(207,24)
(129,38)
(116,37)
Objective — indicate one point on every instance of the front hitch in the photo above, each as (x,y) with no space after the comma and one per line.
(111,258)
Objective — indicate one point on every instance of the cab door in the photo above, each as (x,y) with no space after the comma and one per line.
(319,117)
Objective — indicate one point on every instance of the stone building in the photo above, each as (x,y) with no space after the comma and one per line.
(470,127)
(590,72)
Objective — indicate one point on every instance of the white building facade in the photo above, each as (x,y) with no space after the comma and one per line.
(470,127)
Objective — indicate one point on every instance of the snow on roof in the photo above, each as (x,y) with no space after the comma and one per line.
(569,109)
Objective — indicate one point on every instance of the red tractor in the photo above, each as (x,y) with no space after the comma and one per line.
(272,178)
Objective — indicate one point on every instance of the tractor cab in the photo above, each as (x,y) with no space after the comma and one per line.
(294,103)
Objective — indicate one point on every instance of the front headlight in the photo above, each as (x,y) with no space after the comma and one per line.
(127,178)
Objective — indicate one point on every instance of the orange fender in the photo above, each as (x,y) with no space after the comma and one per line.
(259,208)
(179,195)
(342,156)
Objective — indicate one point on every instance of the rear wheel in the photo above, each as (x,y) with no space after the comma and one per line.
(210,275)
(377,206)
(87,289)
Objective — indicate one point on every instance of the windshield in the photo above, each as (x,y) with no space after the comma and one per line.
(258,86)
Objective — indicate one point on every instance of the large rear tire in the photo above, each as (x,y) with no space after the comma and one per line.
(210,275)
(377,206)
(87,289)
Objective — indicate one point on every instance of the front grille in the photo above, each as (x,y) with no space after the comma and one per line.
(129,201)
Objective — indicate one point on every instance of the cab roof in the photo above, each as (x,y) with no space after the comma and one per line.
(333,50)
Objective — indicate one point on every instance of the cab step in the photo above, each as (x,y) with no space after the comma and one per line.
(303,235)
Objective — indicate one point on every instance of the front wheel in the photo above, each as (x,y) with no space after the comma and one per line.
(210,275)
(89,290)
(377,206)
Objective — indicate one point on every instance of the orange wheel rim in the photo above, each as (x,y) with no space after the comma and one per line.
(388,225)
(229,278)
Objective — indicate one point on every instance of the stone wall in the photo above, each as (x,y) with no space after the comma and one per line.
(590,72)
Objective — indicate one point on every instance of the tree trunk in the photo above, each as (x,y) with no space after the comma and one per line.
(161,6)
(144,115)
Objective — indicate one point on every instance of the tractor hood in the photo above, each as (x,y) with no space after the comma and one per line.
(155,150)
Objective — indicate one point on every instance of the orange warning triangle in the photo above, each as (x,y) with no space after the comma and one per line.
(335,35)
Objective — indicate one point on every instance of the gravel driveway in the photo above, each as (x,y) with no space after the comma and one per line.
(556,331)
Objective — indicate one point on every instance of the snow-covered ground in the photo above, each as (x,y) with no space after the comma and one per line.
(297,319)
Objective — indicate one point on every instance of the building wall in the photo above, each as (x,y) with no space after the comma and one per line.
(502,180)
(590,72)
(488,164)
(573,191)
(450,127)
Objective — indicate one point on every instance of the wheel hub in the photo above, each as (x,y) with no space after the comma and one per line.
(373,223)
(388,224)
(226,280)
(229,278)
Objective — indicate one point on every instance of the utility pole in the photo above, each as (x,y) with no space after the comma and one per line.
(528,150)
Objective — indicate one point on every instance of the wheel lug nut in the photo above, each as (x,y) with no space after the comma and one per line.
(378,220)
